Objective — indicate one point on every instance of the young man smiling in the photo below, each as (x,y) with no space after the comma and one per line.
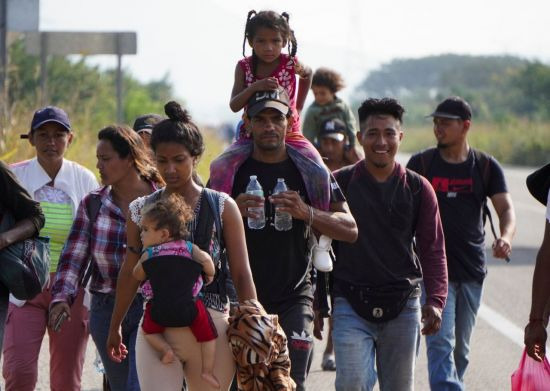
(377,311)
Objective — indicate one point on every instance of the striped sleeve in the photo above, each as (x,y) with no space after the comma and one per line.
(74,258)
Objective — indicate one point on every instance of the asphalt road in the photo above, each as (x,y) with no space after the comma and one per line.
(496,344)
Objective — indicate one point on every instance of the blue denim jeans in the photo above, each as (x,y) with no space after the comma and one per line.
(359,344)
(448,349)
(122,376)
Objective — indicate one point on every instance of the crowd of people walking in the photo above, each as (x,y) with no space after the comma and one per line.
(157,266)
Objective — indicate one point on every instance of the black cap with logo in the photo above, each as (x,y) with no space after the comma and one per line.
(454,108)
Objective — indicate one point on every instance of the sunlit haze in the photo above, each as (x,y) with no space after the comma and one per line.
(197,43)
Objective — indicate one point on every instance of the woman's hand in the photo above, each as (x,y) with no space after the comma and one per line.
(56,310)
(116,350)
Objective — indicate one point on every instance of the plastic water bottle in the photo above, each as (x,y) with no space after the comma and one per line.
(98,364)
(283,220)
(255,188)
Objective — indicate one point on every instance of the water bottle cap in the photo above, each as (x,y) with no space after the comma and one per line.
(252,177)
(280,179)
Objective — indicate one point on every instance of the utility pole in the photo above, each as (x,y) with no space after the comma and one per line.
(3,62)
(43,69)
(119,79)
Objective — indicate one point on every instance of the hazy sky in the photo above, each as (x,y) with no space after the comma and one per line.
(199,42)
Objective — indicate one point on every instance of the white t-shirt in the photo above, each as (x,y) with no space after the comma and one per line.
(548,208)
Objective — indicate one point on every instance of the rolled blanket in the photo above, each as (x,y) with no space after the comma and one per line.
(259,347)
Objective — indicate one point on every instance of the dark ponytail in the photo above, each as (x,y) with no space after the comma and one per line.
(292,43)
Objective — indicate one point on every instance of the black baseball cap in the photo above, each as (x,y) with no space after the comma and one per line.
(145,123)
(333,128)
(49,114)
(454,108)
(275,99)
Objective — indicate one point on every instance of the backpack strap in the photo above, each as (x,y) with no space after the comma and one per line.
(426,159)
(213,199)
(93,207)
(482,161)
(209,216)
(414,182)
(343,177)
(92,210)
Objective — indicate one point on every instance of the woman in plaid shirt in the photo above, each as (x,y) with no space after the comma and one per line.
(99,242)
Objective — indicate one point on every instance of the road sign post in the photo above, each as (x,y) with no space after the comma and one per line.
(3,61)
(63,43)
(15,15)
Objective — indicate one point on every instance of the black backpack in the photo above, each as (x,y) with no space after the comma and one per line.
(482,162)
(538,183)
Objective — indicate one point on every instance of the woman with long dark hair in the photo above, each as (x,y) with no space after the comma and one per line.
(178,144)
(97,243)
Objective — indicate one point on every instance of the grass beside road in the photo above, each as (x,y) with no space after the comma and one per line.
(518,142)
(83,148)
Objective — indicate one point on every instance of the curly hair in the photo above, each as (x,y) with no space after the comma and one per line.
(383,106)
(325,77)
(171,212)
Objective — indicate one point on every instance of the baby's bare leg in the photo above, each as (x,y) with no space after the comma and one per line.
(158,343)
(208,351)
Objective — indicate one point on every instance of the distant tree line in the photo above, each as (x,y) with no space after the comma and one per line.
(85,91)
(498,87)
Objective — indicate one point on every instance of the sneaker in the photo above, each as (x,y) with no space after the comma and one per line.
(321,254)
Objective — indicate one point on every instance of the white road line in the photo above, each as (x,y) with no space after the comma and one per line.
(501,324)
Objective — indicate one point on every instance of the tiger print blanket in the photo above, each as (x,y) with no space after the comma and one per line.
(259,347)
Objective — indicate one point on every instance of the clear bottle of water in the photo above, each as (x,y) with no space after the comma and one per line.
(255,188)
(98,364)
(283,220)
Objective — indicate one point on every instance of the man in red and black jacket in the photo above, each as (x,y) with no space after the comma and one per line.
(377,313)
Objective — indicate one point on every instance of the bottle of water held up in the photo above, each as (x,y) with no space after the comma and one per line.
(283,220)
(255,188)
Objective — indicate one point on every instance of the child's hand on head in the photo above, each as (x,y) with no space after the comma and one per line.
(267,84)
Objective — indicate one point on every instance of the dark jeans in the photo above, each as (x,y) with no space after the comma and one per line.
(296,319)
(122,376)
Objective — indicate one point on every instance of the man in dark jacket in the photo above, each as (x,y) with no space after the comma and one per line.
(377,314)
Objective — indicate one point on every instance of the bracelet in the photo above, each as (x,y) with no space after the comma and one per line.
(310,220)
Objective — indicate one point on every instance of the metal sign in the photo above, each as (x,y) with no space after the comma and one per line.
(85,43)
(22,15)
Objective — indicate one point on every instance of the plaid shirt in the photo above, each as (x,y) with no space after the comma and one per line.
(103,244)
